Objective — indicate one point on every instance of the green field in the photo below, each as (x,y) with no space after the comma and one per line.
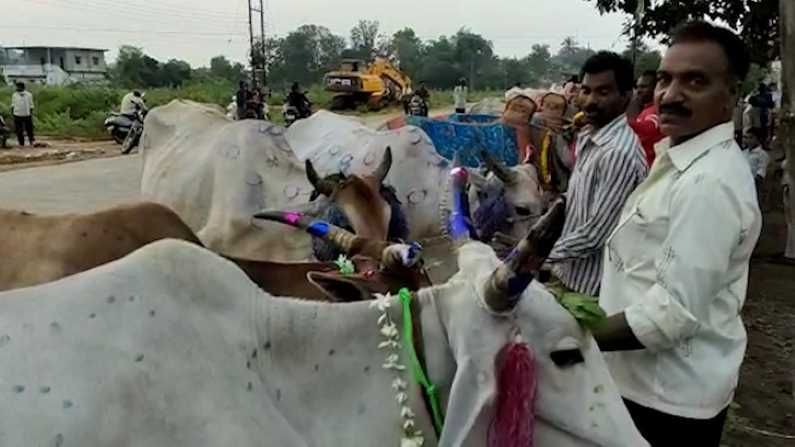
(79,111)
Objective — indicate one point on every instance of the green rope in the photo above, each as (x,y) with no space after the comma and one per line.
(416,368)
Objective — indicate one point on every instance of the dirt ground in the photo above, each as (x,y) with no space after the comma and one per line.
(55,152)
(763,414)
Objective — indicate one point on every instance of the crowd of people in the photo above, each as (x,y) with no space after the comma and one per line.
(662,216)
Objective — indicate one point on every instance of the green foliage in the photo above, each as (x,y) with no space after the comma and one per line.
(756,19)
(134,69)
(645,58)
(79,111)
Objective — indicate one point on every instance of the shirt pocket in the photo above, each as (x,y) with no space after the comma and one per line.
(636,242)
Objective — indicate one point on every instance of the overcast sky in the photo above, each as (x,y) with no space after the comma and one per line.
(196,30)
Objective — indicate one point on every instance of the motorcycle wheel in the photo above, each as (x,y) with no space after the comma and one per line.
(118,136)
(129,143)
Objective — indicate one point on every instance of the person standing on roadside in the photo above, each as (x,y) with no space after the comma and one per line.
(22,109)
(460,96)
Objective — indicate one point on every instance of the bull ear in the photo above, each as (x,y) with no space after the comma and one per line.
(338,288)
(385,166)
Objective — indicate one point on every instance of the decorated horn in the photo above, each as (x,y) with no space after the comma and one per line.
(498,168)
(340,238)
(508,281)
(461,228)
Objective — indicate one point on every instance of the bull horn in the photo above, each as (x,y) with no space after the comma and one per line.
(461,228)
(322,186)
(340,238)
(386,164)
(508,281)
(498,168)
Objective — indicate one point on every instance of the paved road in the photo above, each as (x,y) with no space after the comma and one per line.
(86,185)
(72,187)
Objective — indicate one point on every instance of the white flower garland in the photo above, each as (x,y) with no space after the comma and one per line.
(412,437)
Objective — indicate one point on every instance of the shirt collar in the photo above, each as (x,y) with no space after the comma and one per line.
(607,133)
(685,154)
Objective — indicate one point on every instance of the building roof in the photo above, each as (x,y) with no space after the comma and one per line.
(37,47)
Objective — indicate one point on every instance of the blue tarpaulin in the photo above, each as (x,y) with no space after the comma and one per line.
(467,135)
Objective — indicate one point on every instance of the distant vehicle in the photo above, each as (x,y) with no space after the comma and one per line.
(291,113)
(376,85)
(418,106)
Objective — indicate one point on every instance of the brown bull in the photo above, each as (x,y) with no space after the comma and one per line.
(40,249)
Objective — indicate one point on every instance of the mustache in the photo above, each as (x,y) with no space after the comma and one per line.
(675,109)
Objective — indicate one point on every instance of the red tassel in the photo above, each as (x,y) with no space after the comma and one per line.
(514,421)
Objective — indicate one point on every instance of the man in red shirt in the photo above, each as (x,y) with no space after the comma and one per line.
(642,114)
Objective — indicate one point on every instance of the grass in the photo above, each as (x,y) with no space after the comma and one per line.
(79,111)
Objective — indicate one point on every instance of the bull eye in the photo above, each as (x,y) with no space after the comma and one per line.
(523,211)
(567,357)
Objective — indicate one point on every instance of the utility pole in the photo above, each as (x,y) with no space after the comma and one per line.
(786,130)
(257,63)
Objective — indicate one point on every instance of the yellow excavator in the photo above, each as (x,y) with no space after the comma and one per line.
(376,85)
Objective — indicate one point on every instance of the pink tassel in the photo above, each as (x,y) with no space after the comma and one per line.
(514,420)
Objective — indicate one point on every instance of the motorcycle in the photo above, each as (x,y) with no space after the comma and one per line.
(418,106)
(291,113)
(134,134)
(118,126)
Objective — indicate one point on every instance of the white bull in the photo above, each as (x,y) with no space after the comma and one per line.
(216,173)
(419,174)
(174,346)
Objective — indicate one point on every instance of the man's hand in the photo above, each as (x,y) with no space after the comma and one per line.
(614,334)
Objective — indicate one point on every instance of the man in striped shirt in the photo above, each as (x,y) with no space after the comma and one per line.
(610,164)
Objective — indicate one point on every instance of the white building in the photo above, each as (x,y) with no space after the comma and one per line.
(53,65)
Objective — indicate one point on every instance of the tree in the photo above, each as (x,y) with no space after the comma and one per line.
(408,49)
(364,37)
(539,62)
(472,52)
(571,55)
(222,68)
(174,73)
(304,55)
(786,133)
(645,57)
(439,68)
(758,19)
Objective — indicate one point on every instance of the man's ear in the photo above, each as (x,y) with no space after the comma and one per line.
(338,288)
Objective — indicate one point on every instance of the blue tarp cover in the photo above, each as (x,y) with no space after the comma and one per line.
(468,135)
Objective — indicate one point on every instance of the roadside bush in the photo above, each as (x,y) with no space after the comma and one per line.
(78,111)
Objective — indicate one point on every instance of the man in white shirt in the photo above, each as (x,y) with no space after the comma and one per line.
(676,267)
(758,159)
(22,109)
(460,96)
(131,103)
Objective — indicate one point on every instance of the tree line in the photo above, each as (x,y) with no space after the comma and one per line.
(307,53)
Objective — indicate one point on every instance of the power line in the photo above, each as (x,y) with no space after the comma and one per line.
(121,31)
(149,15)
